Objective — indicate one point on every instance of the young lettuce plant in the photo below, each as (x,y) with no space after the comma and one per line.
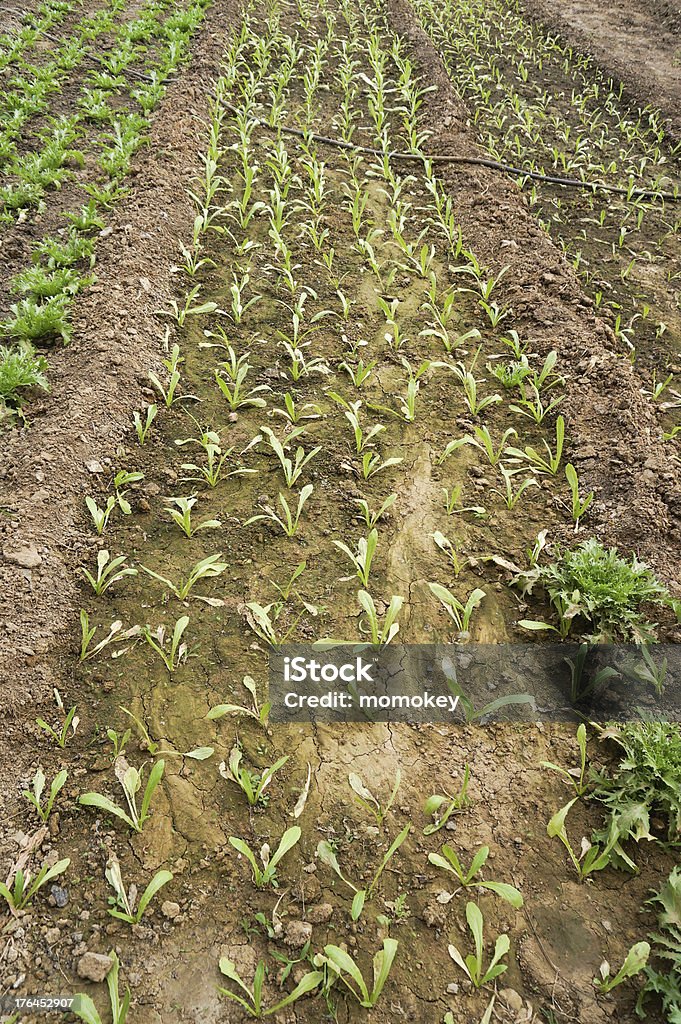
(579,506)
(544,464)
(292,468)
(460,614)
(434,805)
(372,518)
(327,856)
(473,965)
(289,524)
(61,734)
(182,516)
(208,568)
(344,967)
(168,390)
(251,999)
(19,892)
(108,572)
(116,632)
(130,779)
(100,516)
(449,861)
(267,874)
(592,857)
(260,712)
(142,428)
(35,795)
(634,962)
(253,784)
(122,905)
(380,634)
(173,653)
(363,557)
(366,799)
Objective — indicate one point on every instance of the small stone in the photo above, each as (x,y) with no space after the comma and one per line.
(52,935)
(170,909)
(321,913)
(59,895)
(93,466)
(27,556)
(94,966)
(512,999)
(297,933)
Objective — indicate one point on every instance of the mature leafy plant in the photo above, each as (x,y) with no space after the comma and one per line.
(266,875)
(449,861)
(595,586)
(473,965)
(20,369)
(667,946)
(130,779)
(645,782)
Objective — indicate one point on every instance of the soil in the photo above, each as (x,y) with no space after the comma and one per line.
(79,434)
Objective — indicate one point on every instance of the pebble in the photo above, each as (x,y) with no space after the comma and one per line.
(26,556)
(59,895)
(297,933)
(321,913)
(170,909)
(512,999)
(94,966)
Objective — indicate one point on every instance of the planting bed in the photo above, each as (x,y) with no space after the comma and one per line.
(258,354)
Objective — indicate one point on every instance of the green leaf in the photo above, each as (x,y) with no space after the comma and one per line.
(307,983)
(506,891)
(358,904)
(160,879)
(85,1009)
(346,965)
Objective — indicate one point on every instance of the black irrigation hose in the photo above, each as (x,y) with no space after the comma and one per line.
(639,193)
